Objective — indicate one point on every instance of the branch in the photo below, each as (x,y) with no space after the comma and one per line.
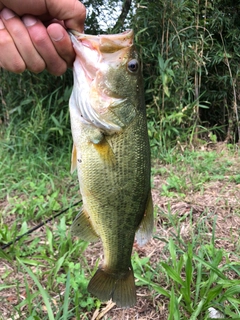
(120,21)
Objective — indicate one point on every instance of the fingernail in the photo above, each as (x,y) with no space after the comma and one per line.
(29,21)
(1,25)
(7,14)
(56,34)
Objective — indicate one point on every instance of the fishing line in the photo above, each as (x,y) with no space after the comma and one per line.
(39,226)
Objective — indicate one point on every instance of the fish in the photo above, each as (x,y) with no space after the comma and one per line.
(111,153)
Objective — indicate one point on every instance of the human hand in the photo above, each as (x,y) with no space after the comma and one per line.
(33,34)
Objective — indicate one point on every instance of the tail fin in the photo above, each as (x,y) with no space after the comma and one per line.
(118,287)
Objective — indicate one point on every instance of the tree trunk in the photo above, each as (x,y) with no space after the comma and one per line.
(120,21)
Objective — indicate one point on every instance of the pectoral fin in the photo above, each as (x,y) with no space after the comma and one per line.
(145,229)
(100,143)
(74,159)
(105,151)
(82,227)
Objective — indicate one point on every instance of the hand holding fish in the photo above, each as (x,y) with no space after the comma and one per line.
(33,34)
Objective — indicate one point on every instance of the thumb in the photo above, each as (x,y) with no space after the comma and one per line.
(73,12)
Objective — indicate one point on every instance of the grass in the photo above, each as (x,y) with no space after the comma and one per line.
(191,265)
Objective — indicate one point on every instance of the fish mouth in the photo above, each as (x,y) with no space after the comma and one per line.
(105,43)
(95,55)
(94,50)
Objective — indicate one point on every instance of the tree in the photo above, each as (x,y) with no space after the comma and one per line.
(191,57)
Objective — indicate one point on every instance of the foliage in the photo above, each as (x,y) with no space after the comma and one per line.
(35,111)
(171,44)
(48,272)
(220,83)
(191,53)
(185,271)
(107,16)
(191,57)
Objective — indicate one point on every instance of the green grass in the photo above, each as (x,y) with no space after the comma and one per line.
(196,281)
(189,171)
(45,275)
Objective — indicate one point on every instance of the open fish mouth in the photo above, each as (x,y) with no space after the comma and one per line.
(105,43)
(96,56)
(92,50)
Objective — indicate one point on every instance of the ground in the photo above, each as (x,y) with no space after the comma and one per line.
(191,210)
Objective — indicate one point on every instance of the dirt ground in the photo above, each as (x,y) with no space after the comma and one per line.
(219,200)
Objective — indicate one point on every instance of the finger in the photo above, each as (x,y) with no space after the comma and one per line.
(10,59)
(44,46)
(22,41)
(62,43)
(21,7)
(73,12)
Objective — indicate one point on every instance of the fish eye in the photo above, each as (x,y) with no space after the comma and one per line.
(133,65)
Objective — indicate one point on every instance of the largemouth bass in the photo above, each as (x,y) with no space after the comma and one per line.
(112,155)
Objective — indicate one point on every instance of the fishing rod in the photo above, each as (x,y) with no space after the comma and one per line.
(39,226)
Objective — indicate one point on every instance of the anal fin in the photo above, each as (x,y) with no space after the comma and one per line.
(82,227)
(144,232)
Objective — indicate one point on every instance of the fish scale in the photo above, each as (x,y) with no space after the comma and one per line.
(112,155)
